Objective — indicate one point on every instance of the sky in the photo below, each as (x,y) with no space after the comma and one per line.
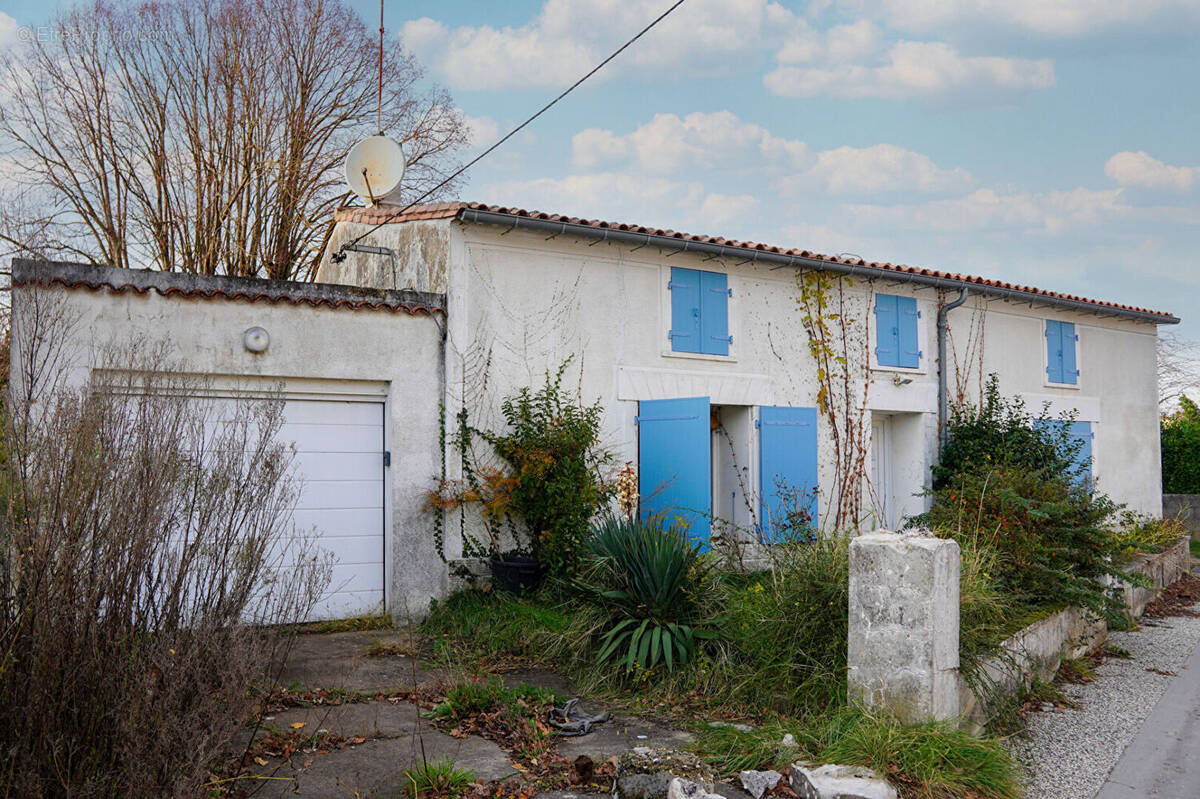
(1055,144)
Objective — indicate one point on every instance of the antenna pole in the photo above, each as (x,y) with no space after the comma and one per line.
(379,96)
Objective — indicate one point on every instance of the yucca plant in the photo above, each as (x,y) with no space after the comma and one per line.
(648,574)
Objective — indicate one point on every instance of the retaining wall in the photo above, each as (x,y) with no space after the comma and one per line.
(1186,508)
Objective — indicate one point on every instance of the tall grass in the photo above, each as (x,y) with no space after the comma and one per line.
(925,761)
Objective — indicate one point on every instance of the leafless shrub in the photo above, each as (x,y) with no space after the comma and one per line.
(146,563)
(1178,369)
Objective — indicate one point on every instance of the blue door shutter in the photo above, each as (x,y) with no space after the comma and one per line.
(675,461)
(1054,351)
(714,313)
(787,457)
(887,331)
(1069,365)
(908,343)
(685,309)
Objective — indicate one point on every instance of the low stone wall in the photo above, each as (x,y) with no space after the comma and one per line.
(1185,508)
(1162,569)
(903,637)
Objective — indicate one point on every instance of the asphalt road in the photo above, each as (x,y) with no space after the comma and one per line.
(1163,759)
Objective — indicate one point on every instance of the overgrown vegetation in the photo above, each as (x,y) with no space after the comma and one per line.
(553,478)
(1012,485)
(923,760)
(513,717)
(1181,449)
(144,571)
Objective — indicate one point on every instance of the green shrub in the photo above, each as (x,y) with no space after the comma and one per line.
(1181,449)
(553,450)
(651,578)
(1002,431)
(1049,534)
(1136,533)
(788,626)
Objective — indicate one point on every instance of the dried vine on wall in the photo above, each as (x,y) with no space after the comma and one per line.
(839,346)
(969,369)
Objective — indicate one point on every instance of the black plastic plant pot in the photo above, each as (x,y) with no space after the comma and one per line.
(517,574)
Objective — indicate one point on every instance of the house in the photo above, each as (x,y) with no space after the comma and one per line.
(697,348)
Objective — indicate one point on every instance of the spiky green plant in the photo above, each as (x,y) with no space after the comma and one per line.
(648,575)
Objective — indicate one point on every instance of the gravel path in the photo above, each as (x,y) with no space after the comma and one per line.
(1069,753)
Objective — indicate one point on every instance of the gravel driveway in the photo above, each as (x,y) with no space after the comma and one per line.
(1069,753)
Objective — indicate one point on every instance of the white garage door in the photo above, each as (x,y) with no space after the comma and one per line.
(339,459)
(339,465)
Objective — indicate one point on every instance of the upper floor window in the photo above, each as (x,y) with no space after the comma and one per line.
(1061,361)
(897,342)
(699,311)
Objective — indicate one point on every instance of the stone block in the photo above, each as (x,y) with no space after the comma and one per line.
(757,783)
(839,782)
(902,652)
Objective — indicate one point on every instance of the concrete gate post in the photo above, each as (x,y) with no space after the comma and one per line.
(903,627)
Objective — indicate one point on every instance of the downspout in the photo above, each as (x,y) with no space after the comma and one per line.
(943,392)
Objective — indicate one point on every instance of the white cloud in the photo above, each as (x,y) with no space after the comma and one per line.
(826,240)
(636,199)
(1144,171)
(907,70)
(876,169)
(1052,18)
(669,143)
(568,37)
(986,209)
(704,143)
(484,131)
(720,209)
(9,30)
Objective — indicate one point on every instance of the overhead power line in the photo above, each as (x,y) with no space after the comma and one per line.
(340,255)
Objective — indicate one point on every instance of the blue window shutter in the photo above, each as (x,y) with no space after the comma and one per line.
(787,456)
(887,331)
(1083,431)
(1069,361)
(714,313)
(1080,431)
(685,310)
(1054,351)
(675,461)
(909,344)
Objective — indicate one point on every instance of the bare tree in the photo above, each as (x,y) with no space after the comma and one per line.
(1178,368)
(205,136)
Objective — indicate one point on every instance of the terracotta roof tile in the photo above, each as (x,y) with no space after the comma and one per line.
(447,210)
(206,287)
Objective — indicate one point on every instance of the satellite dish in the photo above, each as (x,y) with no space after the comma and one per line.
(374,168)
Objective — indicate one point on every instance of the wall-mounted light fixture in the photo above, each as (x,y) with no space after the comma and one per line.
(256,339)
(897,380)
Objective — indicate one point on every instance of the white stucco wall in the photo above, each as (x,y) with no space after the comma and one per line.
(315,353)
(520,303)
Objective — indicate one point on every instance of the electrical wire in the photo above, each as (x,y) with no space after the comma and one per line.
(340,255)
